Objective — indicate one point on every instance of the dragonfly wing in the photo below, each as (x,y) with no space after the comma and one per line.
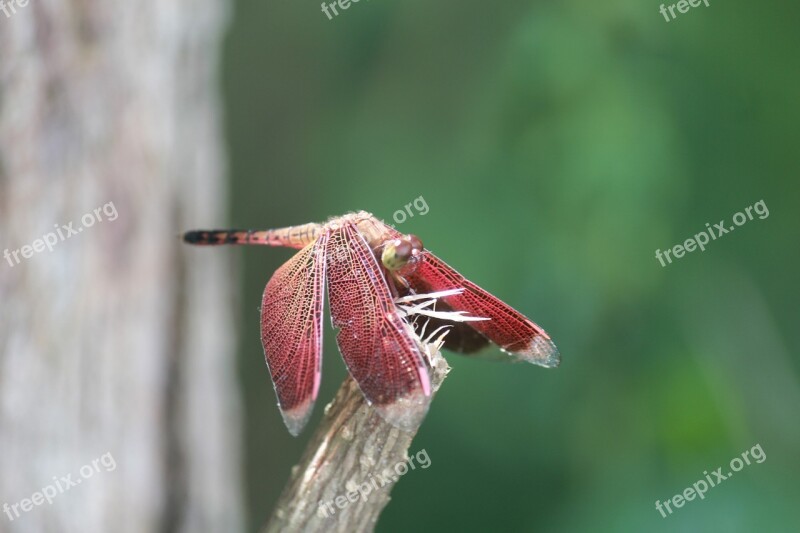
(376,344)
(509,329)
(291,332)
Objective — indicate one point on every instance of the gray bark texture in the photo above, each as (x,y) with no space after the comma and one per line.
(116,342)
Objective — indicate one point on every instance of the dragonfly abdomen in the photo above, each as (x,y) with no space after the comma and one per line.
(290,237)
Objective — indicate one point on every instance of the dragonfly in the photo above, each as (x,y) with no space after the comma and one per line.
(376,279)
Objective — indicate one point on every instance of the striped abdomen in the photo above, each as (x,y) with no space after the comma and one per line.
(291,237)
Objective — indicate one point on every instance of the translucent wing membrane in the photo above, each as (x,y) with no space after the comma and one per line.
(375,343)
(507,328)
(291,332)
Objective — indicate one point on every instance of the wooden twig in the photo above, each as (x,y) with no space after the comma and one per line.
(347,471)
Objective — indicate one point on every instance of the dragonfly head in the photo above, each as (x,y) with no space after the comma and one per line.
(398,252)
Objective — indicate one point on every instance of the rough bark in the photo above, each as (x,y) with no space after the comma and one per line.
(118,341)
(353,448)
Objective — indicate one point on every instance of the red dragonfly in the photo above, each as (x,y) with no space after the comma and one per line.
(372,272)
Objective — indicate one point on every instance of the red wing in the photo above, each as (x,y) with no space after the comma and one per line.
(291,332)
(376,345)
(507,327)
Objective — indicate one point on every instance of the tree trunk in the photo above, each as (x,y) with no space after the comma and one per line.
(115,341)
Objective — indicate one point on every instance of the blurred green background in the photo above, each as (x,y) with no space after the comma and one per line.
(557,145)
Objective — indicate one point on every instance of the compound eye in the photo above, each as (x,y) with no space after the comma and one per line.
(396,254)
(415,242)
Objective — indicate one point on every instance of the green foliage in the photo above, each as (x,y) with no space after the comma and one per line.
(558,145)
